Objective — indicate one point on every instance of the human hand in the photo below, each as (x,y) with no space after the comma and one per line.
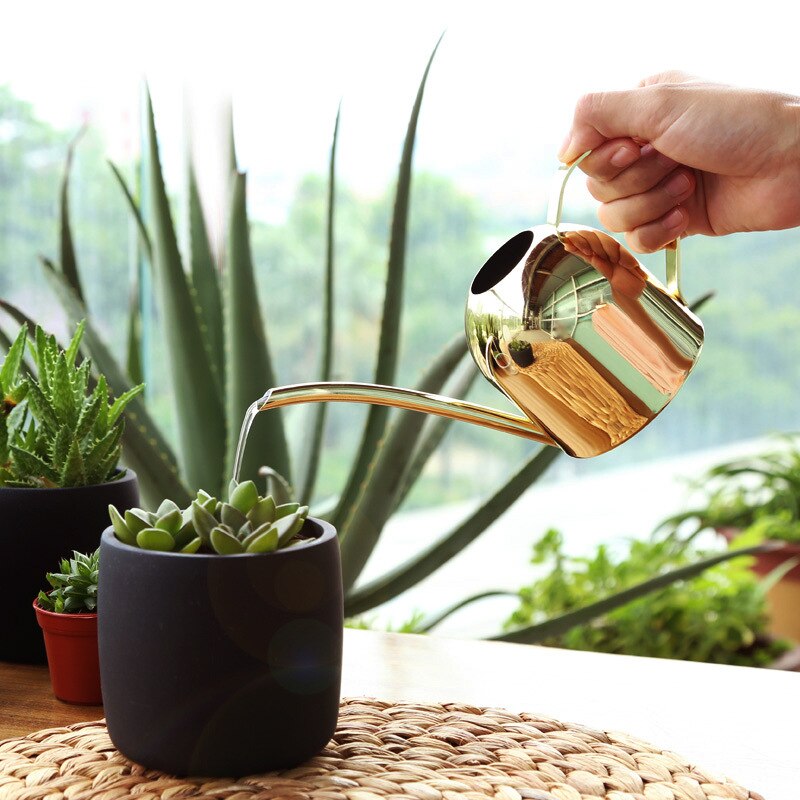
(678,156)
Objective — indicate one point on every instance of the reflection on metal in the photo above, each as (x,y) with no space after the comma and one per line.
(407,399)
(569,325)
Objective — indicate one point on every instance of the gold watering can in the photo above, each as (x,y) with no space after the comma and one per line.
(568,324)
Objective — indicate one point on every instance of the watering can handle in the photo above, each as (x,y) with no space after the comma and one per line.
(555,207)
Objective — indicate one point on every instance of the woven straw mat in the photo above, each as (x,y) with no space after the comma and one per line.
(384,751)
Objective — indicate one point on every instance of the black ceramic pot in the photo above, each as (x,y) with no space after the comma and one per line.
(221,665)
(38,527)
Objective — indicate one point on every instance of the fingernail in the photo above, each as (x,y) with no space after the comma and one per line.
(677,185)
(674,221)
(563,151)
(624,157)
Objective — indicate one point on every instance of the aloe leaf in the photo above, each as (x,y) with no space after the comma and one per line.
(250,369)
(134,339)
(697,305)
(145,449)
(67,258)
(133,206)
(389,340)
(433,433)
(429,623)
(406,575)
(13,360)
(558,626)
(205,280)
(118,406)
(277,486)
(377,501)
(313,449)
(5,343)
(201,421)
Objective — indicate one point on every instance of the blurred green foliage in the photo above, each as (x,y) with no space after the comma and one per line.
(717,617)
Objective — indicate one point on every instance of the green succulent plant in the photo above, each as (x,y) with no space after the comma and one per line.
(56,431)
(247,523)
(74,587)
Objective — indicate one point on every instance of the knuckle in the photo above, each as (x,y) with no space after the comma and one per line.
(610,219)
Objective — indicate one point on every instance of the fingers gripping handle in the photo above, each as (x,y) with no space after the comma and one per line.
(555,208)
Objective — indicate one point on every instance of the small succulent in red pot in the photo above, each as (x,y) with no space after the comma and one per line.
(67,616)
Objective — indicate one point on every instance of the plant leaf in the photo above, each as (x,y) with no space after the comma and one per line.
(201,421)
(146,450)
(155,539)
(378,498)
(250,368)
(205,280)
(389,340)
(133,206)
(133,362)
(73,473)
(13,360)
(532,634)
(225,543)
(313,448)
(429,623)
(69,263)
(406,575)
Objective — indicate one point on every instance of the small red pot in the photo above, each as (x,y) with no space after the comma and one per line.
(71,644)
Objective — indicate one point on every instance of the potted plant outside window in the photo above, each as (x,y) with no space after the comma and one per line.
(757,498)
(220,633)
(59,470)
(67,616)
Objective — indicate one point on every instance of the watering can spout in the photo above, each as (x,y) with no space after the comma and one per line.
(407,399)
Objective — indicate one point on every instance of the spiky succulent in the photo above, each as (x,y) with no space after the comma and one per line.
(55,432)
(247,523)
(75,587)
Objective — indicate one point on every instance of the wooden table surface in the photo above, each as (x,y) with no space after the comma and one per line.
(734,721)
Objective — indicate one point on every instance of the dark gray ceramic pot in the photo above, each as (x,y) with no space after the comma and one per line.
(221,665)
(38,527)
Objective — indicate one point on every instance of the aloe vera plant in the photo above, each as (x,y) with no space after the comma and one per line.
(247,523)
(220,361)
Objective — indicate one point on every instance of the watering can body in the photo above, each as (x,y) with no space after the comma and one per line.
(570,326)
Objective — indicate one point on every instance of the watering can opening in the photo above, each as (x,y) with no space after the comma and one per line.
(502,262)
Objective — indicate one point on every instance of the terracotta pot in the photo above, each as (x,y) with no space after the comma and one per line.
(221,665)
(39,528)
(71,644)
(783,599)
(766,562)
